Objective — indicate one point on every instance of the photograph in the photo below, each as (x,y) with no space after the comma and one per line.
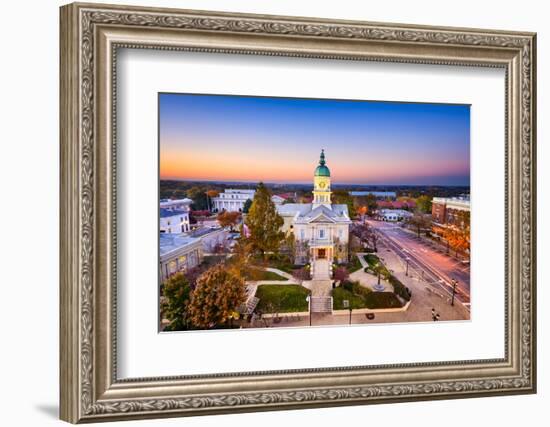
(298,212)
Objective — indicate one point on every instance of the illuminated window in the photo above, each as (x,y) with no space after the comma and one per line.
(172,267)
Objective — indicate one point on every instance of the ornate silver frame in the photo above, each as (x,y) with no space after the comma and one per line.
(90,36)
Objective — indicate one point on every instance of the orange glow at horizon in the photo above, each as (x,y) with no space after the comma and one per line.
(236,165)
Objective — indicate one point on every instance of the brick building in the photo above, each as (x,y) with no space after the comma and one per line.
(450,210)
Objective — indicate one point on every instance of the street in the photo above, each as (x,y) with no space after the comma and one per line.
(426,259)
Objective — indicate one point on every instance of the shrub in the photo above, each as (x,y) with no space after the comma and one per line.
(354,264)
(341,274)
(375,265)
(302,274)
(348,286)
(399,288)
(382,300)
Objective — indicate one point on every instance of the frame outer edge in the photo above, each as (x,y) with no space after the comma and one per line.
(533,219)
(69,390)
(77,343)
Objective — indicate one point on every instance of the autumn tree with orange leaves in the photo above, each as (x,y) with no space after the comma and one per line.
(228,219)
(216,298)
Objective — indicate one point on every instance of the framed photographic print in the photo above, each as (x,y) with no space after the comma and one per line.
(263,212)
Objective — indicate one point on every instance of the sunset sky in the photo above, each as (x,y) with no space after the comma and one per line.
(235,138)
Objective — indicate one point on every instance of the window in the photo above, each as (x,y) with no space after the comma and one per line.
(321,233)
(302,234)
(172,267)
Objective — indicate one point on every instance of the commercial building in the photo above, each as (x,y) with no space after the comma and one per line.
(393,215)
(450,210)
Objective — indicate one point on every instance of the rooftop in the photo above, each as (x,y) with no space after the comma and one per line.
(306,211)
(167,203)
(166,213)
(171,242)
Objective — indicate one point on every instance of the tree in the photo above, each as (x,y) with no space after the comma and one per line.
(198,195)
(247,205)
(176,293)
(344,198)
(341,274)
(218,294)
(301,274)
(240,262)
(288,246)
(424,203)
(301,252)
(211,194)
(420,221)
(264,223)
(366,235)
(340,250)
(228,219)
(365,204)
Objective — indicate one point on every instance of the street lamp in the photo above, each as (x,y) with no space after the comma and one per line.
(308,299)
(407,272)
(378,271)
(454,292)
(347,305)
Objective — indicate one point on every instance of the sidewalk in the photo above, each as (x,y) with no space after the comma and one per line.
(424,297)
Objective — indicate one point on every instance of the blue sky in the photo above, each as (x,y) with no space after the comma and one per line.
(279,139)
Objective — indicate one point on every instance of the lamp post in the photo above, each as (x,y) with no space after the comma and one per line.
(454,292)
(378,271)
(407,271)
(308,299)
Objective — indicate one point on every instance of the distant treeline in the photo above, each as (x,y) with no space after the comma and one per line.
(196,190)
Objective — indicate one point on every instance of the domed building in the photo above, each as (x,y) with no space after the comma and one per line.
(320,228)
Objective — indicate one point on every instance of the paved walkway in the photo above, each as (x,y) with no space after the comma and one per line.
(321,269)
(369,280)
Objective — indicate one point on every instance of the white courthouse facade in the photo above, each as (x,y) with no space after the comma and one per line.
(321,229)
(232,200)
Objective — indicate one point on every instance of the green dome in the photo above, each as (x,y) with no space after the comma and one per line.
(322,169)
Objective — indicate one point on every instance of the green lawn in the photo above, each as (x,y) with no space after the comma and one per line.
(373,261)
(257,274)
(354,264)
(372,300)
(340,294)
(282,298)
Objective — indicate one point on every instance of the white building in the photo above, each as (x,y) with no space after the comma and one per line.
(232,200)
(178,252)
(278,200)
(212,238)
(174,216)
(393,215)
(321,229)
